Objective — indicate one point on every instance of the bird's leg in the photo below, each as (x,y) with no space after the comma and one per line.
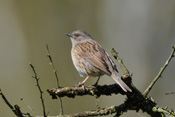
(82,83)
(97,81)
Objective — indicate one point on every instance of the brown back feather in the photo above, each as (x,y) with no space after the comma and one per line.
(96,56)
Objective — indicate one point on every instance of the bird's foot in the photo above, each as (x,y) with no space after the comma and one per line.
(95,85)
(80,84)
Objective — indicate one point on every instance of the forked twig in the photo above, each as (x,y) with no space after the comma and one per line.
(160,72)
(16,110)
(41,92)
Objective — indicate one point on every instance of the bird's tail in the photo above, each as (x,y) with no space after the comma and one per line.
(120,82)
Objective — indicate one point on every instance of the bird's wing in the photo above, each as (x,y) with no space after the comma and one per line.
(112,62)
(94,54)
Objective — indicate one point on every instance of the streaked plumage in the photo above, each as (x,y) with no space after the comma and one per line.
(90,59)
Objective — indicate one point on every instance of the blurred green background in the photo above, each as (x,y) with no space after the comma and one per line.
(142,31)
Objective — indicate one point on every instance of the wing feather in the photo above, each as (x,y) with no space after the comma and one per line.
(94,54)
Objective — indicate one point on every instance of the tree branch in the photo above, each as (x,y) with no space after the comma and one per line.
(56,76)
(120,61)
(97,91)
(16,110)
(134,101)
(101,112)
(159,75)
(39,88)
(51,62)
(170,93)
(119,110)
(164,111)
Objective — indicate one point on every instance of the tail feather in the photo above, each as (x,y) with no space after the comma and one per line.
(120,83)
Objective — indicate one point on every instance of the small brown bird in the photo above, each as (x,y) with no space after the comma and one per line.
(90,59)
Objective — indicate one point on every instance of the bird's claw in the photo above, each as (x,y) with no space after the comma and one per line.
(95,85)
(80,84)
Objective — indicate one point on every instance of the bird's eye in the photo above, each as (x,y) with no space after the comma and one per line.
(77,35)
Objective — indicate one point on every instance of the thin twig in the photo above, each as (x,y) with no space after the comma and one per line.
(28,106)
(164,111)
(120,61)
(99,112)
(146,92)
(16,110)
(56,76)
(126,76)
(170,93)
(41,92)
(51,62)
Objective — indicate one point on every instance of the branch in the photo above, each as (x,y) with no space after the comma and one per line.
(56,76)
(28,106)
(164,111)
(170,93)
(16,110)
(146,92)
(102,111)
(41,92)
(119,110)
(51,62)
(120,61)
(97,91)
(134,101)
(126,76)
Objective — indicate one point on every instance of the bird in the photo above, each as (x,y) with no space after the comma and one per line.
(90,59)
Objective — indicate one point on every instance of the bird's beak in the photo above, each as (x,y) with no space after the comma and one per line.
(69,35)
